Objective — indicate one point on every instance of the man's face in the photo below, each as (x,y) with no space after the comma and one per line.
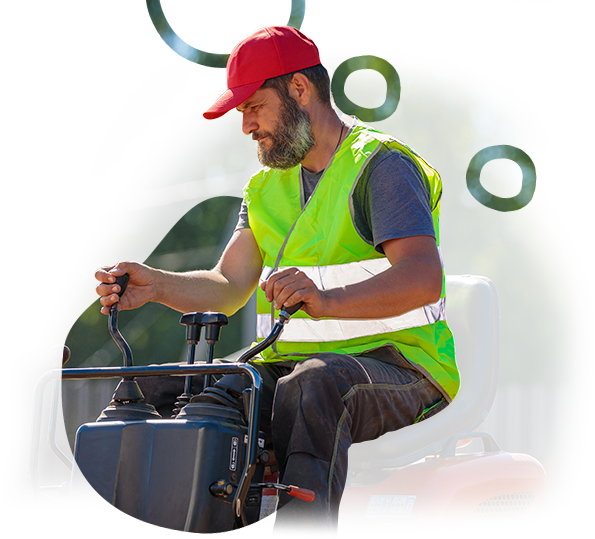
(283,130)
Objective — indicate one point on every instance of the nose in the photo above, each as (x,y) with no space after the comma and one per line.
(248,124)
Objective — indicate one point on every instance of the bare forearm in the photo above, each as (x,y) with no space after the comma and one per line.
(205,290)
(225,288)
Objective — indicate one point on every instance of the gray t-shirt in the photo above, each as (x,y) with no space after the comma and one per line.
(389,200)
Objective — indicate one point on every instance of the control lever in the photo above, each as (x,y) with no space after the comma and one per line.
(193,323)
(286,312)
(127,390)
(284,315)
(212,322)
(223,489)
(297,492)
(113,323)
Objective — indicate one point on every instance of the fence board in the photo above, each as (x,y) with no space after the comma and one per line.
(586,479)
(562,440)
(537,404)
(513,428)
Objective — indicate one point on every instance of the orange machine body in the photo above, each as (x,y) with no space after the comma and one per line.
(487,495)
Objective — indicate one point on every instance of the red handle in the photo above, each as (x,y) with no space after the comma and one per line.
(301,493)
(46,499)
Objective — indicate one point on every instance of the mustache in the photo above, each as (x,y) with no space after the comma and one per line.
(257,135)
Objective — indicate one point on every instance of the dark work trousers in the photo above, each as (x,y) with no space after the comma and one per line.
(313,410)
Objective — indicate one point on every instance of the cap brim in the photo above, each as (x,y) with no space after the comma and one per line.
(231,99)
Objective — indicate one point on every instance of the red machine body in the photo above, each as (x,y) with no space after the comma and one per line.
(487,495)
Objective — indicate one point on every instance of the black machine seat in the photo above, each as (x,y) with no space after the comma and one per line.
(473,317)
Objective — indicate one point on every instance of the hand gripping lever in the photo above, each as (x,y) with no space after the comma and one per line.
(125,403)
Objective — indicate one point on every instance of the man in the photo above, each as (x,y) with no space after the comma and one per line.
(344,219)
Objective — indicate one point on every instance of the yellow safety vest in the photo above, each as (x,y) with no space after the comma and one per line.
(322,240)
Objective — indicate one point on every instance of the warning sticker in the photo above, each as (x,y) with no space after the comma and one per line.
(393,527)
(390,506)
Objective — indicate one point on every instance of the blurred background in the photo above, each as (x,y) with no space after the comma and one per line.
(510,129)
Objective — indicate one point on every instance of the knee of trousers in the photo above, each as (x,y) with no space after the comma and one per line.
(315,382)
(308,405)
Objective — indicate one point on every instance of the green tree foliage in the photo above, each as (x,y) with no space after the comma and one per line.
(517,204)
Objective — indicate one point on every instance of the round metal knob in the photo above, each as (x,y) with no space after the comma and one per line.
(59,355)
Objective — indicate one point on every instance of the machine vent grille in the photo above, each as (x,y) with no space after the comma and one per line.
(493,518)
(538,528)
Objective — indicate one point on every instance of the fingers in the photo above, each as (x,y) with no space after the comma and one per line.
(107,277)
(108,296)
(103,275)
(107,289)
(288,287)
(108,274)
(106,309)
(276,283)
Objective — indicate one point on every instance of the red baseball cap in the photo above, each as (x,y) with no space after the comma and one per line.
(267,53)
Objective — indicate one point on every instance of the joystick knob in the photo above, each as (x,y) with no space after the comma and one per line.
(59,355)
(213,323)
(193,323)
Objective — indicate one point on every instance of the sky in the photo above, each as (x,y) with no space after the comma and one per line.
(556,33)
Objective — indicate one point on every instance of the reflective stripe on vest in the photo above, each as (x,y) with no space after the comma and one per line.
(320,238)
(326,277)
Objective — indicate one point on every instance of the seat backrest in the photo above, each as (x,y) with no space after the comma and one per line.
(473,316)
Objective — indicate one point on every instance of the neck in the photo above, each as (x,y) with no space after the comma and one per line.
(328,131)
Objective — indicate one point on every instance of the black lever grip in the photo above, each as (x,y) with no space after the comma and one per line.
(123,282)
(294,308)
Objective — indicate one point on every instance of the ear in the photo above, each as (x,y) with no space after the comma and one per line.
(300,89)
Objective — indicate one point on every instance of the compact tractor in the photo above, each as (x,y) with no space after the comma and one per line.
(208,470)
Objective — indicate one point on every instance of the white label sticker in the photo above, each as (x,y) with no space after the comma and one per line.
(233,456)
(393,527)
(268,508)
(260,441)
(390,506)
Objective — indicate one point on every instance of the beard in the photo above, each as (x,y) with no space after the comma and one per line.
(291,140)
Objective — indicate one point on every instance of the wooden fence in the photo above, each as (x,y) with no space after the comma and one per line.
(556,425)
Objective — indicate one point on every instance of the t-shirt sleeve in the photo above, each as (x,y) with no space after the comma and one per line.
(390,201)
(243,216)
